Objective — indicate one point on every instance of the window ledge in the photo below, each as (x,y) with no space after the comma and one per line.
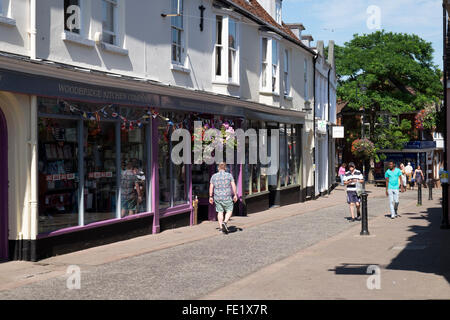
(77,39)
(225,83)
(269,93)
(179,67)
(114,49)
(7,21)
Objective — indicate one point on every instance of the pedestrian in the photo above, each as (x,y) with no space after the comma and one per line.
(408,172)
(131,192)
(222,184)
(404,178)
(418,175)
(393,183)
(341,172)
(351,178)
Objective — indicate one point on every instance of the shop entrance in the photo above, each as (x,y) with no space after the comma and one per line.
(201,176)
(3,188)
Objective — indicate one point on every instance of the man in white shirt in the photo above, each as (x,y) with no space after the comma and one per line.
(408,172)
(350,179)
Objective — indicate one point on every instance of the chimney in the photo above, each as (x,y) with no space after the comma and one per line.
(331,53)
(320,47)
(307,39)
(296,29)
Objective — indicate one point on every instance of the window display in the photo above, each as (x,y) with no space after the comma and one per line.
(283,156)
(100,189)
(173,183)
(58,174)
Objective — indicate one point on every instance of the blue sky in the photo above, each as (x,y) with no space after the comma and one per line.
(338,20)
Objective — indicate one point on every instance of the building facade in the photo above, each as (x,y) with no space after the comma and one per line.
(93,90)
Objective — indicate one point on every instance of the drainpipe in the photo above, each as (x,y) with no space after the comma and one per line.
(314,126)
(33,30)
(33,225)
(328,133)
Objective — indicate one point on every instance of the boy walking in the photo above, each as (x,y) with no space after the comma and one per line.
(393,183)
(350,179)
(222,183)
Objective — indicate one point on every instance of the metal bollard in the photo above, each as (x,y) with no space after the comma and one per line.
(445,221)
(419,194)
(364,222)
(430,189)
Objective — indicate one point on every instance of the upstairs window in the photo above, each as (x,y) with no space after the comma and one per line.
(177,31)
(72,16)
(278,11)
(232,49)
(226,55)
(264,62)
(219,45)
(109,22)
(274,65)
(269,65)
(286,84)
(1,9)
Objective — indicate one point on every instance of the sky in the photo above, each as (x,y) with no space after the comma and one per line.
(338,20)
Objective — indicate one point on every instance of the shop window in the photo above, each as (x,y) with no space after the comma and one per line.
(283,157)
(292,155)
(255,174)
(58,174)
(134,170)
(100,196)
(173,181)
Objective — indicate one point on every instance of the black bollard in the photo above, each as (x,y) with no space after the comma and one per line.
(445,223)
(364,224)
(419,194)
(430,189)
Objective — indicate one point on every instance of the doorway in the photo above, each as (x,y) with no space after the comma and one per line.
(3,188)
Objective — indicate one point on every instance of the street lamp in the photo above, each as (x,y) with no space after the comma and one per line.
(363,90)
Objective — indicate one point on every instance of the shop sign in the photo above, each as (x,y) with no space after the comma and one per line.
(338,132)
(322,126)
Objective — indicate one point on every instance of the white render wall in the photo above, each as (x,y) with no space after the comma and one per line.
(144,48)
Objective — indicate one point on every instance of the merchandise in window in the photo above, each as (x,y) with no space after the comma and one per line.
(283,156)
(58,174)
(173,185)
(100,177)
(134,167)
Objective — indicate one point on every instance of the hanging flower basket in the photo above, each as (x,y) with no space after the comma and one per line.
(363,149)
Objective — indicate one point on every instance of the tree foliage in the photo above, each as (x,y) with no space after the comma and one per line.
(398,75)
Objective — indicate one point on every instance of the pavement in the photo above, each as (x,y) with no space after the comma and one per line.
(296,246)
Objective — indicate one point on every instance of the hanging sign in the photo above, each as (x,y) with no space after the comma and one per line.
(444,176)
(338,132)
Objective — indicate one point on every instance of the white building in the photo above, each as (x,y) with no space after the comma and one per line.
(325,118)
(88,87)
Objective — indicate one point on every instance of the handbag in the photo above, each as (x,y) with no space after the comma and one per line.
(359,188)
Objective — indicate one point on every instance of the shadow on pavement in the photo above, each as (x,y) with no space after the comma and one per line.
(428,249)
(351,268)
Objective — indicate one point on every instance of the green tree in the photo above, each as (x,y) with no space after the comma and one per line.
(398,75)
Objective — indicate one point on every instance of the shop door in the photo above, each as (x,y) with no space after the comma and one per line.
(3,189)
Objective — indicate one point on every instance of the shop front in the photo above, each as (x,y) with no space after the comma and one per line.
(103,169)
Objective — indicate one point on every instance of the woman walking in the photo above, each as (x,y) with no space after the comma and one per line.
(341,172)
(418,175)
(404,179)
